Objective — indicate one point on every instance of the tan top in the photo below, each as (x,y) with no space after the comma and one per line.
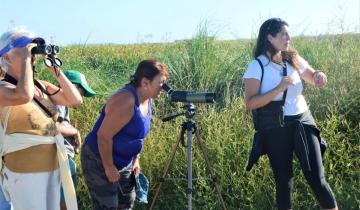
(30,118)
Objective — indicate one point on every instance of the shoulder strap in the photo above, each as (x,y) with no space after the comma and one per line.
(13,81)
(262,72)
(262,76)
(285,92)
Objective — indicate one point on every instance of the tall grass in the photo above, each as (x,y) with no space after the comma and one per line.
(205,64)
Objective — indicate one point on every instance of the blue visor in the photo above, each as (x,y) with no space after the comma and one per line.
(20,42)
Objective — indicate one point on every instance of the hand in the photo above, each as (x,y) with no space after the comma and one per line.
(25,52)
(51,65)
(75,125)
(112,174)
(320,79)
(136,167)
(78,141)
(285,82)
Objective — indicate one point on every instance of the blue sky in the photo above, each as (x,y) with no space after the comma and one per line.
(123,22)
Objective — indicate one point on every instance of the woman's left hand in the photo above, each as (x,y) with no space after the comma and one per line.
(320,79)
(136,167)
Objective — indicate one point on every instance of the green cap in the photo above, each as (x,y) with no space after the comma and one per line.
(76,77)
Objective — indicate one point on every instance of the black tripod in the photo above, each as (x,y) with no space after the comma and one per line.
(190,126)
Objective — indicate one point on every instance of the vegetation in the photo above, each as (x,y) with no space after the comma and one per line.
(205,64)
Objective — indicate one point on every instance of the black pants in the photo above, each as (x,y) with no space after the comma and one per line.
(279,146)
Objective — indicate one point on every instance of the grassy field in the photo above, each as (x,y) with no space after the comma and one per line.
(205,64)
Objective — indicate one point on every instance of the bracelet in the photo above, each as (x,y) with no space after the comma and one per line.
(51,94)
(316,72)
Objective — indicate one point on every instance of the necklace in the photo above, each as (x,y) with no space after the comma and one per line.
(282,64)
(277,66)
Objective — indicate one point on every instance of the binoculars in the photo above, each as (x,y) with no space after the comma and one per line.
(49,50)
(46,49)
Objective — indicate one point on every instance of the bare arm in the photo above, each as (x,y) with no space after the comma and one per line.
(66,131)
(68,94)
(255,100)
(119,110)
(23,92)
(315,78)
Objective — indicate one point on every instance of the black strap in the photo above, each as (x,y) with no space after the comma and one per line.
(37,83)
(262,76)
(8,78)
(262,72)
(285,92)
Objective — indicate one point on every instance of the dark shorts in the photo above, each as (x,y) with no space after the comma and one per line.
(104,194)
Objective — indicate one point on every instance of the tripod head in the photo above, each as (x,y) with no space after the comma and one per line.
(189,112)
(189,124)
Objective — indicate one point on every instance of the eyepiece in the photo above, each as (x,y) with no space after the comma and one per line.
(167,88)
(55,49)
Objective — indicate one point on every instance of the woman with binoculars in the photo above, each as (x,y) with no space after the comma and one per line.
(33,157)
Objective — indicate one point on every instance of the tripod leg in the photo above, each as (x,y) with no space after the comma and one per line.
(189,165)
(172,155)
(212,173)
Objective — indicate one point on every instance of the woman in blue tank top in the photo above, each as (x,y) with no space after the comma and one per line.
(109,155)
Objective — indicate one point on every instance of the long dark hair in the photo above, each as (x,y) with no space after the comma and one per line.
(273,26)
(148,69)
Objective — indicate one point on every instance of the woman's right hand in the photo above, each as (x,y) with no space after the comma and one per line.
(25,52)
(285,82)
(112,173)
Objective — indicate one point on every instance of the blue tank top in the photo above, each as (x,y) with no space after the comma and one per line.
(128,142)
